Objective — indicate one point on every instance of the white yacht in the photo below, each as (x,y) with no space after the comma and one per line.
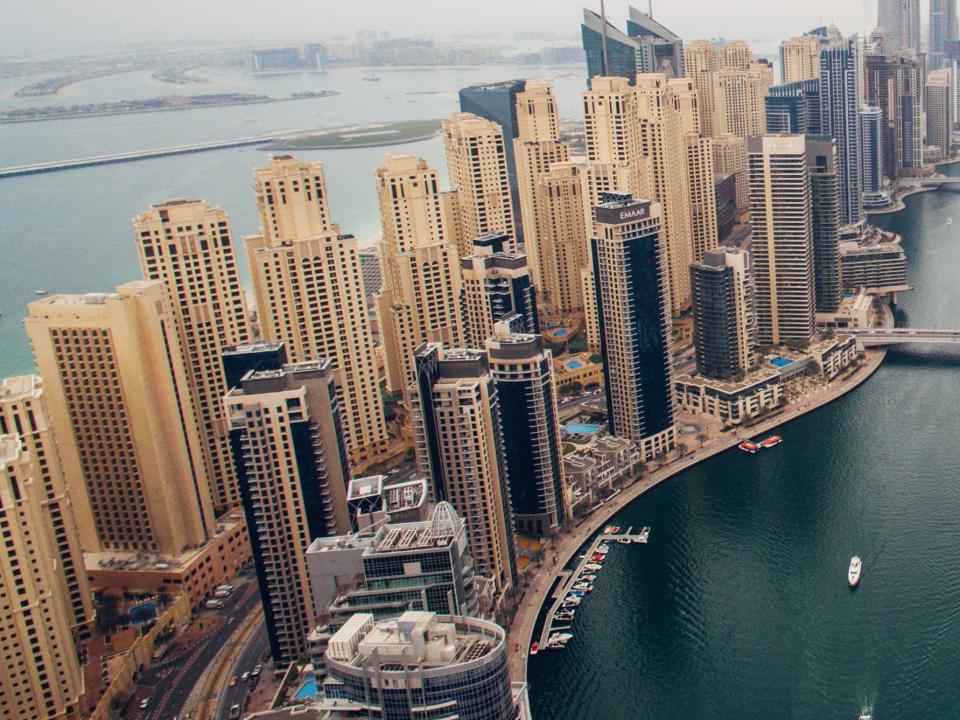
(643,537)
(853,574)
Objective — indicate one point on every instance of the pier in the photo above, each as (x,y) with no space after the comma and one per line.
(59,165)
(570,578)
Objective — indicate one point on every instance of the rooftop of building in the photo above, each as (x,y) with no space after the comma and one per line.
(9,448)
(756,377)
(406,495)
(440,530)
(415,639)
(20,386)
(155,562)
(260,346)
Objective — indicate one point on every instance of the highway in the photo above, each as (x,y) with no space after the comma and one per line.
(169,683)
(245,662)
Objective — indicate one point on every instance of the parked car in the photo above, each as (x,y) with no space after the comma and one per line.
(213,604)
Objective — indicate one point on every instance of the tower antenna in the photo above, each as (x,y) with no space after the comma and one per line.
(603,33)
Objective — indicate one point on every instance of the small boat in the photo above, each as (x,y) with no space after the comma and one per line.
(571,601)
(588,577)
(370,78)
(772,441)
(40,291)
(585,587)
(608,530)
(748,446)
(598,558)
(866,717)
(603,549)
(643,537)
(949,221)
(623,541)
(534,648)
(565,616)
(615,529)
(594,567)
(853,574)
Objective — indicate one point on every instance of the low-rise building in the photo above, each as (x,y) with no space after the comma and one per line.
(730,402)
(835,355)
(195,572)
(577,369)
(423,665)
(593,470)
(855,311)
(874,266)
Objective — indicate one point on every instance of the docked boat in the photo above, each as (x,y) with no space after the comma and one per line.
(593,567)
(772,441)
(565,616)
(40,291)
(750,447)
(534,648)
(585,587)
(643,537)
(598,557)
(866,717)
(603,549)
(588,577)
(853,573)
(623,541)
(614,529)
(560,637)
(571,600)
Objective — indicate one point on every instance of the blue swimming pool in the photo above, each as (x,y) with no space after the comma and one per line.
(581,429)
(307,691)
(574,364)
(560,332)
(781,362)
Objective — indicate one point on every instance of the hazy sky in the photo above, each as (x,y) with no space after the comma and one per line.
(28,26)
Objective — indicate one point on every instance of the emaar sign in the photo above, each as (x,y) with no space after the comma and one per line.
(620,214)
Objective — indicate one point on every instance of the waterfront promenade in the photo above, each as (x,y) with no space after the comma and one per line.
(533,599)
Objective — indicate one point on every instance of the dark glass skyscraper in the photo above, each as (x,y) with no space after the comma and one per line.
(840,119)
(633,308)
(523,375)
(658,49)
(621,50)
(794,108)
(825,221)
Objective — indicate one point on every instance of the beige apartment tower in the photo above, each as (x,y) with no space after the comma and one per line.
(730,156)
(42,678)
(536,149)
(701,60)
(477,168)
(735,55)
(115,381)
(939,115)
(780,208)
(310,295)
(703,198)
(738,107)
(800,58)
(420,298)
(24,414)
(187,244)
(459,445)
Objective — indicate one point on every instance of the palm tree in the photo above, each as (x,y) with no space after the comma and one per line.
(702,437)
(681,449)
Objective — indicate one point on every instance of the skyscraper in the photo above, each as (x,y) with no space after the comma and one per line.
(839,118)
(659,50)
(187,245)
(522,373)
(735,55)
(901,20)
(115,380)
(894,84)
(611,131)
(24,414)
(459,446)
(497,102)
(738,107)
(701,61)
(562,235)
(871,136)
(420,298)
(634,311)
(730,156)
(310,293)
(825,221)
(662,139)
(703,200)
(42,678)
(800,58)
(724,318)
(782,238)
(496,287)
(478,168)
(290,497)
(537,148)
(939,114)
(794,108)
(943,26)
(612,56)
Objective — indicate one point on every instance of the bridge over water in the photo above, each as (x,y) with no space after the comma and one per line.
(937,181)
(872,337)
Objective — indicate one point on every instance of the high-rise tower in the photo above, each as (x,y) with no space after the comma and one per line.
(782,238)
(115,380)
(901,20)
(800,58)
(310,295)
(634,311)
(839,118)
(187,245)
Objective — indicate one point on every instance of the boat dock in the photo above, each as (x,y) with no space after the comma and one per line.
(570,578)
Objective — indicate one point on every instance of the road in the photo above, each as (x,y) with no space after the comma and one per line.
(169,683)
(245,662)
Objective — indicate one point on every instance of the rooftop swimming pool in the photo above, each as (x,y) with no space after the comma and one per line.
(307,691)
(781,362)
(574,364)
(581,429)
(560,332)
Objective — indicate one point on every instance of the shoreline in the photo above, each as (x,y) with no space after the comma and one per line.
(520,634)
(372,144)
(112,113)
(899,203)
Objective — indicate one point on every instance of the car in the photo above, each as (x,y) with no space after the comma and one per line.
(145,703)
(221,594)
(234,711)
(245,677)
(233,681)
(255,673)
(215,604)
(226,587)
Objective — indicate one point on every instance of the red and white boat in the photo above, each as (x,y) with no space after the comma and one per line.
(750,447)
(535,648)
(772,441)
